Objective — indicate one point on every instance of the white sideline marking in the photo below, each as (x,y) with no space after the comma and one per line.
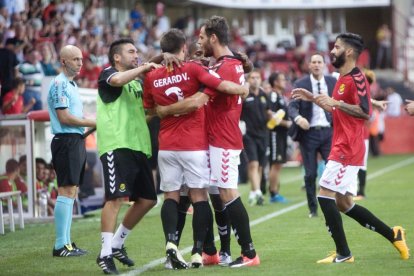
(186,250)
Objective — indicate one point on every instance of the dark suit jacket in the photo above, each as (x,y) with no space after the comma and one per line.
(304,108)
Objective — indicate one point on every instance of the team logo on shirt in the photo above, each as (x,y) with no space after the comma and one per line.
(122,187)
(263,99)
(341,89)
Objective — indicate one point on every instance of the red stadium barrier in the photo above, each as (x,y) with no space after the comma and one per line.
(39,115)
(398,138)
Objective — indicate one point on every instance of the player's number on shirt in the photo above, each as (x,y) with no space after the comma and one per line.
(176,91)
(242,80)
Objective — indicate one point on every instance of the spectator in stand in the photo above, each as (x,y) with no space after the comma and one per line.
(136,16)
(321,38)
(394,102)
(18,37)
(163,21)
(13,100)
(384,47)
(8,68)
(410,107)
(32,73)
(7,183)
(22,177)
(7,180)
(50,63)
(89,74)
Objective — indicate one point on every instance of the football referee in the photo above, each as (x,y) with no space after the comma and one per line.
(68,146)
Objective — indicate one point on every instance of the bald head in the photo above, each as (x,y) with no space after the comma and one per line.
(70,51)
(71,59)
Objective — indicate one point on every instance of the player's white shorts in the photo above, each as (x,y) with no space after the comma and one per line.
(224,167)
(183,167)
(366,141)
(340,178)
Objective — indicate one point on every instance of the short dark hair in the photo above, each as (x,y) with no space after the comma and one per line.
(353,40)
(40,160)
(17,82)
(12,165)
(115,48)
(172,41)
(273,77)
(317,54)
(22,159)
(218,25)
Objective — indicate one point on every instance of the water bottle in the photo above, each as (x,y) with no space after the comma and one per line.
(276,119)
(43,204)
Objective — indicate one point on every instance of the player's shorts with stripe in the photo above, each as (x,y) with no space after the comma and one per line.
(340,178)
(183,167)
(224,165)
(68,158)
(255,148)
(278,148)
(127,174)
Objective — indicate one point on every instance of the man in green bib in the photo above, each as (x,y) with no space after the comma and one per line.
(124,148)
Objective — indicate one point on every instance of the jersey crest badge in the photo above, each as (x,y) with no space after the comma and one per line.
(341,89)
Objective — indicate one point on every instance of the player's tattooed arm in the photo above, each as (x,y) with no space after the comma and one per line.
(353,110)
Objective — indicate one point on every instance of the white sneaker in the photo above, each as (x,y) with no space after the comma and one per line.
(196,261)
(168,264)
(225,259)
(177,260)
(252,198)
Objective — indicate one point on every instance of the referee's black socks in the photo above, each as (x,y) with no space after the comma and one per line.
(333,221)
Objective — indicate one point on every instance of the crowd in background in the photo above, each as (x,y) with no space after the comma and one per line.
(32,34)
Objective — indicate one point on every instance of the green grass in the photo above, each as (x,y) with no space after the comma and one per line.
(288,244)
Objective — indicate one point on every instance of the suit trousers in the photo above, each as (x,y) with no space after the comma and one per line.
(315,140)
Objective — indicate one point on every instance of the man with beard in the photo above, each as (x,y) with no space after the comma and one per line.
(350,106)
(225,138)
(183,161)
(313,125)
(124,148)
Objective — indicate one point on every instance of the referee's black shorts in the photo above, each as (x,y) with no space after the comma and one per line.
(68,158)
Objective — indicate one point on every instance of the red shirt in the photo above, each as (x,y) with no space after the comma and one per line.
(17,107)
(223,111)
(164,87)
(5,184)
(348,146)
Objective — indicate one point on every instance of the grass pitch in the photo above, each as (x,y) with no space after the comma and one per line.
(288,242)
